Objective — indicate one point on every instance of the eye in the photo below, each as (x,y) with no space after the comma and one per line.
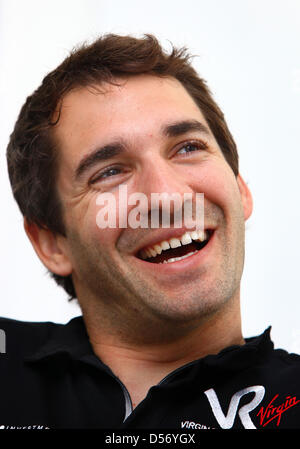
(191,147)
(108,173)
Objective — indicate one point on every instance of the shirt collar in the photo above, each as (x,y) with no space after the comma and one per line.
(70,339)
(241,356)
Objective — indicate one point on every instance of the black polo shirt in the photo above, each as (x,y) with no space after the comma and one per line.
(50,378)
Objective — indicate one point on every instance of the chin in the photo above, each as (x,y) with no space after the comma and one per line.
(190,309)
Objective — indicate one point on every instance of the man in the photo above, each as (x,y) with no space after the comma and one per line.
(159,343)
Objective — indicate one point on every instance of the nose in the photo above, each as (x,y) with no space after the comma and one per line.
(159,175)
(165,188)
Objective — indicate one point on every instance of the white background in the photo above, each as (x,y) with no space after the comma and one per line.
(248,50)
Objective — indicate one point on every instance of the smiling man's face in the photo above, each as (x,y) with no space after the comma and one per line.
(148,134)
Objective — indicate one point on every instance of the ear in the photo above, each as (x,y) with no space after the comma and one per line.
(50,248)
(246,197)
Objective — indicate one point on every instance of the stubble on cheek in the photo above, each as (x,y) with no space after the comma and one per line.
(93,273)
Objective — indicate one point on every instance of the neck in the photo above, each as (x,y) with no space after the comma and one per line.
(155,361)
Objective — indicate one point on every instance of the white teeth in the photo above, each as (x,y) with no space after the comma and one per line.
(149,254)
(153,252)
(202,235)
(165,245)
(158,249)
(185,239)
(175,259)
(175,243)
(194,235)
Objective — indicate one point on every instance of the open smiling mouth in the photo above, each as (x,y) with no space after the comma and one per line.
(175,249)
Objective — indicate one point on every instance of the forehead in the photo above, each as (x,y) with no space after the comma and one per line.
(134,109)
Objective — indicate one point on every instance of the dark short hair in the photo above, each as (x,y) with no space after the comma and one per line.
(32,151)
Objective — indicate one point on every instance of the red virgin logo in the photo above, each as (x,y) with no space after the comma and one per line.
(272,411)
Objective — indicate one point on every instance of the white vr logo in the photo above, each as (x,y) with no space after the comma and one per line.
(226,421)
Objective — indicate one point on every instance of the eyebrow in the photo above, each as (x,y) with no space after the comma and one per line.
(184,126)
(101,154)
(114,149)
